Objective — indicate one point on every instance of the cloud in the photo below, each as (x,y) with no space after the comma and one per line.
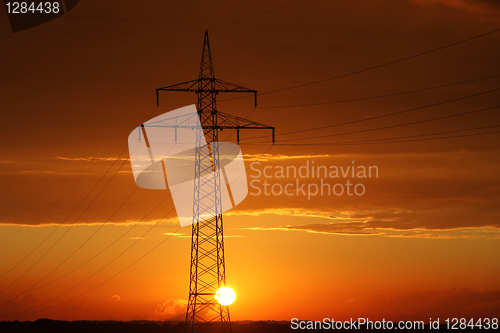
(82,304)
(280,157)
(414,191)
(54,166)
(44,172)
(172,309)
(337,228)
(296,212)
(247,157)
(115,298)
(92,159)
(28,301)
(389,223)
(21,304)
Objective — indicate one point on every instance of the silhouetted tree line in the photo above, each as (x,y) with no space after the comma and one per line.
(55,326)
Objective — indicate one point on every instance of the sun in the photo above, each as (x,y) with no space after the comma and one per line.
(225,296)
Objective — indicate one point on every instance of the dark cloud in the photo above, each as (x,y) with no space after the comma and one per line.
(492,3)
(477,6)
(81,304)
(364,228)
(25,302)
(345,228)
(413,191)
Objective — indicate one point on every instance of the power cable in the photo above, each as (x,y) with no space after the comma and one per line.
(372,67)
(378,96)
(107,264)
(379,141)
(380,116)
(394,126)
(177,67)
(86,196)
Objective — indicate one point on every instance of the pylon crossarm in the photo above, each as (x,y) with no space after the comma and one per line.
(224,86)
(176,122)
(220,86)
(226,121)
(184,86)
(206,84)
(229,121)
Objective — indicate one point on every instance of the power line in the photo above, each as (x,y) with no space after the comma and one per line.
(372,67)
(177,67)
(88,193)
(379,116)
(107,264)
(69,189)
(133,263)
(95,273)
(394,126)
(232,132)
(88,239)
(97,254)
(71,255)
(184,59)
(74,252)
(67,217)
(360,98)
(31,289)
(85,242)
(430,134)
(378,96)
(380,141)
(14,233)
(97,286)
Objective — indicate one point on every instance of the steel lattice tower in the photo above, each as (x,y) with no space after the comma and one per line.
(208,273)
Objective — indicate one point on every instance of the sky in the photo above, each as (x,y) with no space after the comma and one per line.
(418,238)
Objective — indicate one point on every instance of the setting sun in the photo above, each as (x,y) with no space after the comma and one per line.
(225,296)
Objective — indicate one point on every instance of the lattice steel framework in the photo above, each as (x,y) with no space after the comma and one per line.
(208,273)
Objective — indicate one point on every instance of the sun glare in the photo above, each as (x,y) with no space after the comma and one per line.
(225,296)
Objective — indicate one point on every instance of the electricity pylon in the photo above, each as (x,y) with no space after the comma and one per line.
(208,272)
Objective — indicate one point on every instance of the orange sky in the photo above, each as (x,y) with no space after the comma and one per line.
(423,241)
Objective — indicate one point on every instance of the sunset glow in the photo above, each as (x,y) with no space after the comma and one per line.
(225,296)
